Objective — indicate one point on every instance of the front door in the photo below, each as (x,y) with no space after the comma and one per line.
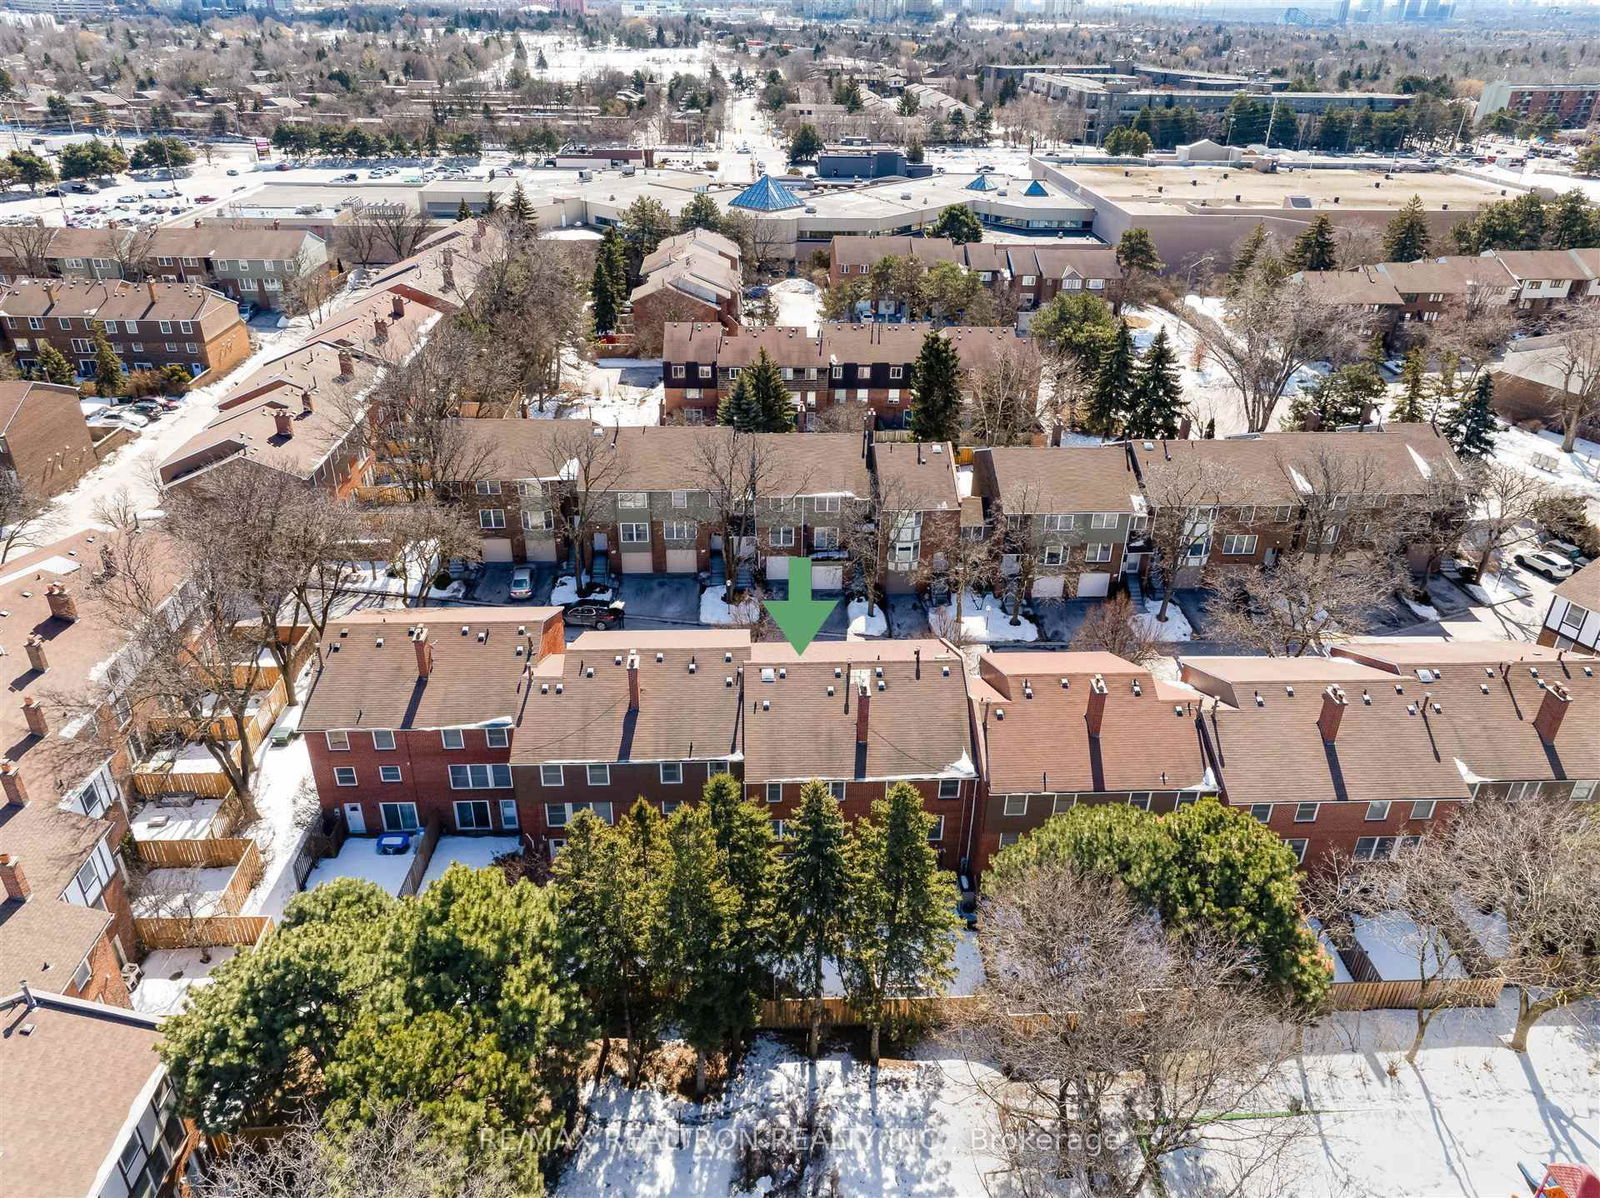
(355,819)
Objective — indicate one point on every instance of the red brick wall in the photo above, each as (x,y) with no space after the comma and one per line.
(105,979)
(628,784)
(424,775)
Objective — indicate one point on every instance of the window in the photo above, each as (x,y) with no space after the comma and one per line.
(398,817)
(599,775)
(81,976)
(1097,551)
(1330,534)
(677,370)
(1262,812)
(1582,792)
(472,815)
(539,521)
(388,773)
(383,740)
(680,499)
(672,772)
(551,775)
(508,815)
(492,517)
(82,345)
(338,742)
(896,372)
(949,788)
(774,792)
(837,372)
(1305,813)
(1054,555)
(95,796)
(825,539)
(668,806)
(35,323)
(453,738)
(937,833)
(489,488)
(1378,809)
(733,373)
(1061,804)
(1423,808)
(1016,805)
(635,534)
(1141,801)
(344,775)
(1097,284)
(166,326)
(825,503)
(863,372)
(1055,522)
(1238,545)
(633,499)
(1028,280)
(678,530)
(705,372)
(1298,848)
(783,538)
(894,395)
(1103,520)
(836,789)
(497,738)
(861,395)
(480,777)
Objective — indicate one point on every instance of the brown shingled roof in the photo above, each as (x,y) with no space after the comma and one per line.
(1088,479)
(1583,588)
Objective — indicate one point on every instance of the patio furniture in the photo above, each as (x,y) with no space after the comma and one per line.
(393,844)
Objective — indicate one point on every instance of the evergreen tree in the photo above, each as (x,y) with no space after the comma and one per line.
(491,203)
(1342,398)
(1406,239)
(816,888)
(602,289)
(1251,248)
(936,391)
(744,838)
(1470,427)
(51,365)
(1572,224)
(770,406)
(463,211)
(1075,324)
(615,252)
(1136,251)
(700,212)
(700,923)
(806,144)
(1314,249)
(109,378)
(1408,409)
(1111,397)
(520,209)
(903,918)
(737,407)
(1156,399)
(959,223)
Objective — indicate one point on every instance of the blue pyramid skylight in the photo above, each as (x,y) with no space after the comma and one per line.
(984,183)
(765,195)
(1035,188)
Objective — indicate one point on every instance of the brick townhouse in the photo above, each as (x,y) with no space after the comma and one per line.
(1262,487)
(1572,621)
(1034,275)
(655,495)
(1078,513)
(66,925)
(691,276)
(44,441)
(149,325)
(1523,280)
(411,717)
(1058,729)
(245,264)
(842,364)
(918,488)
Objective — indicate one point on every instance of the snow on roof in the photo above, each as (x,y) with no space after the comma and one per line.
(1423,468)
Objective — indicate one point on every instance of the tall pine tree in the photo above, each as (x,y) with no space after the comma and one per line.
(52,366)
(737,407)
(1254,246)
(744,837)
(463,211)
(772,409)
(1470,427)
(602,290)
(109,378)
(1406,239)
(816,885)
(1408,408)
(1110,398)
(936,391)
(1156,400)
(520,208)
(1314,249)
(903,917)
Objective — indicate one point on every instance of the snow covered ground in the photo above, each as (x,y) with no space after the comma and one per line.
(865,624)
(606,398)
(1539,454)
(568,60)
(1206,389)
(718,613)
(169,975)
(798,302)
(1400,952)
(984,620)
(1457,1124)
(359,858)
(1175,627)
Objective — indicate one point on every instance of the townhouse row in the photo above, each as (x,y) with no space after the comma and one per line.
(1524,281)
(258,266)
(1072,520)
(486,720)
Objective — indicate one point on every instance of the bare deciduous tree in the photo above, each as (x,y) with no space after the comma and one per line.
(1182,493)
(382,231)
(421,538)
(1111,628)
(412,415)
(742,476)
(27,246)
(584,471)
(26,519)
(1003,395)
(1508,498)
(308,289)
(1574,357)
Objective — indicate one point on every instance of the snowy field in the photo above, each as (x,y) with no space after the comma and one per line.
(1455,1125)
(568,60)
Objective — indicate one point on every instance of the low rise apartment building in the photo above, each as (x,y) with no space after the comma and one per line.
(1033,276)
(149,325)
(44,441)
(1571,104)
(925,502)
(1572,620)
(842,364)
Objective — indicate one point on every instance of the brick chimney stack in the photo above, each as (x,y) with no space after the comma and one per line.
(62,605)
(863,710)
(380,330)
(633,682)
(347,364)
(1094,715)
(397,306)
(12,878)
(33,712)
(1333,705)
(424,649)
(1552,710)
(447,268)
(150,284)
(306,404)
(282,421)
(36,657)
(11,781)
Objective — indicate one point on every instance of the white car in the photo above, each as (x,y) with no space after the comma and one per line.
(1542,561)
(120,418)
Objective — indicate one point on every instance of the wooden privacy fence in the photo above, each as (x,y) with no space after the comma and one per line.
(207,853)
(156,780)
(211,931)
(419,867)
(780,1013)
(1409,995)
(223,726)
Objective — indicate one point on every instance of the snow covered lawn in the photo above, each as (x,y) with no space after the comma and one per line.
(1394,945)
(797,302)
(1175,628)
(718,613)
(566,591)
(984,620)
(475,852)
(1539,454)
(865,624)
(169,975)
(359,858)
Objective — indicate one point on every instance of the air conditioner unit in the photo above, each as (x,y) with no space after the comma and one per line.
(132,975)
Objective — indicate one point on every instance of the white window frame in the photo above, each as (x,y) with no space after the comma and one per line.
(1299,813)
(514,822)
(1015,805)
(1239,544)
(604,774)
(949,788)
(378,738)
(633,533)
(488,487)
(492,519)
(338,742)
(548,772)
(1422,808)
(1377,809)
(345,775)
(497,737)
(633,499)
(671,773)
(389,774)
(446,735)
(472,805)
(400,809)
(1298,846)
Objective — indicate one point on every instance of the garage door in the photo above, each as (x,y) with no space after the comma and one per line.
(636,563)
(778,567)
(541,551)
(496,549)
(827,578)
(1094,586)
(1051,586)
(682,561)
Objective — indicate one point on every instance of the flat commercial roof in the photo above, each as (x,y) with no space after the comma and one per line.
(1134,188)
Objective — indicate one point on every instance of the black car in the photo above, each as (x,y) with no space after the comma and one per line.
(591,614)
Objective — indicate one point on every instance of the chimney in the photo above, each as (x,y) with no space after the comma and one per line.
(1094,715)
(633,682)
(447,268)
(347,364)
(276,225)
(36,657)
(424,653)
(397,306)
(12,878)
(1333,705)
(1552,710)
(863,709)
(306,405)
(11,781)
(282,420)
(34,714)
(380,330)
(150,285)
(62,605)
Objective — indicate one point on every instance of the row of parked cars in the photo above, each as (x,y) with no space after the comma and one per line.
(1555,560)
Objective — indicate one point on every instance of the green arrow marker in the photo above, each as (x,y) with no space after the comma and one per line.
(800,617)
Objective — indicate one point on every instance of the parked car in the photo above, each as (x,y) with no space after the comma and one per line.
(146,408)
(1543,562)
(522,583)
(120,418)
(246,310)
(205,199)
(589,614)
(352,177)
(1564,549)
(233,172)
